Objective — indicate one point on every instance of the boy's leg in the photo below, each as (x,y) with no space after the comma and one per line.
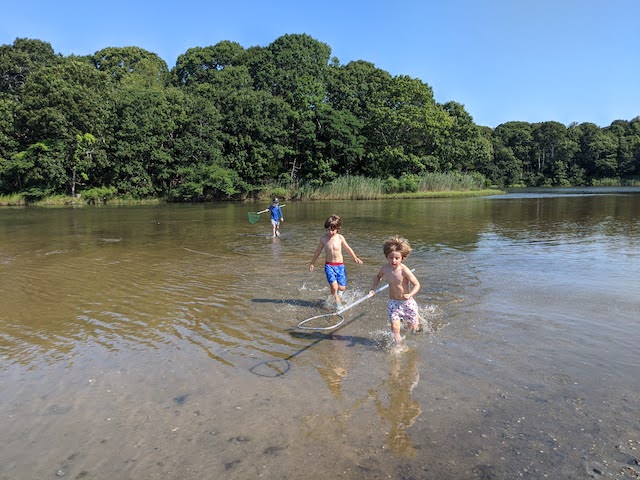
(395,329)
(334,287)
(342,279)
(411,314)
(333,277)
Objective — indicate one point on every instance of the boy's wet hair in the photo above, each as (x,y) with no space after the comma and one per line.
(396,244)
(334,222)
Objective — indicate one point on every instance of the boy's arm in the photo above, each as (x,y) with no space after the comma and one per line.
(408,274)
(376,281)
(316,255)
(350,250)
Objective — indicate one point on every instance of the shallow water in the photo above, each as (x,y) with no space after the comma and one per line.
(161,342)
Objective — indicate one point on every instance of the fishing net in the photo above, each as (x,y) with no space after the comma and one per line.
(254,217)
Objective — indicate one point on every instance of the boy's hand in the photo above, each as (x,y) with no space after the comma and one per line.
(371,293)
(358,261)
(311,267)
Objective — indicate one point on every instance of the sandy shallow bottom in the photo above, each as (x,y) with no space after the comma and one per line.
(344,407)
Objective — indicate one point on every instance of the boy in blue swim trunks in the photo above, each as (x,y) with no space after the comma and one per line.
(403,285)
(333,243)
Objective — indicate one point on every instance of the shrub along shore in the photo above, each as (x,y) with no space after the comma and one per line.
(432,185)
(429,185)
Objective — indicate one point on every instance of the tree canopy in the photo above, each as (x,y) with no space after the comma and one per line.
(226,120)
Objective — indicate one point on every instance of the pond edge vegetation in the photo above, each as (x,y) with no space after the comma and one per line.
(430,185)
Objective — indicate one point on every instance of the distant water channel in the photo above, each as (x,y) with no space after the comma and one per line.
(160,342)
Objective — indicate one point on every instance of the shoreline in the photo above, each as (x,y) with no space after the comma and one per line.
(68,201)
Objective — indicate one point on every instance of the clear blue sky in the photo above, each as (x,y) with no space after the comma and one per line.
(528,60)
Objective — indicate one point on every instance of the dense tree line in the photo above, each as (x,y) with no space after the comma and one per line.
(225,121)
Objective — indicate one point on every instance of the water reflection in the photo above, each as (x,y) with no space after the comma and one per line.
(395,402)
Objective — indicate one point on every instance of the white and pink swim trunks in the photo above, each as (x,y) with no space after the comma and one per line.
(403,310)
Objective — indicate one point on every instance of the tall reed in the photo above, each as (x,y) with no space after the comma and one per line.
(439,182)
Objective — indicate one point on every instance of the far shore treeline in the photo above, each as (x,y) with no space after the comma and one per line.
(234,123)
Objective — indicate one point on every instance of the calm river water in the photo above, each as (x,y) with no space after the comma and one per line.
(161,342)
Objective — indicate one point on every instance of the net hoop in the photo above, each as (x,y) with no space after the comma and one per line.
(335,314)
(253,217)
(340,312)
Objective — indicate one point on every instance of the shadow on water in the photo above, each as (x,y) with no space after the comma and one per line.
(279,367)
(296,302)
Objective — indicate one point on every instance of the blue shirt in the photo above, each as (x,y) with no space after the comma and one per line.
(276,213)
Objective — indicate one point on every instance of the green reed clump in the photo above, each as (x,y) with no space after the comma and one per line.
(13,200)
(615,182)
(354,187)
(451,181)
(344,188)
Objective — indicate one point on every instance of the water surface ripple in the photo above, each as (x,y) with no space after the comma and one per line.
(160,342)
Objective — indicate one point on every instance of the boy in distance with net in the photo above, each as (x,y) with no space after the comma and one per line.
(333,242)
(403,285)
(276,217)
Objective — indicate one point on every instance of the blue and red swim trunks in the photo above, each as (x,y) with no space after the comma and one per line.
(336,272)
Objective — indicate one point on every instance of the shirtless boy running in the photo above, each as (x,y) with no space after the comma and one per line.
(403,285)
(333,243)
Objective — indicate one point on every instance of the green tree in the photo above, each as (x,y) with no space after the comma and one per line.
(60,102)
(300,68)
(340,141)
(201,65)
(38,171)
(142,141)
(598,150)
(518,137)
(132,65)
(19,60)
(404,128)
(82,160)
(8,142)
(351,89)
(546,137)
(461,145)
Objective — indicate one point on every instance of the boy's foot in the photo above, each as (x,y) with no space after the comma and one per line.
(277,234)
(332,303)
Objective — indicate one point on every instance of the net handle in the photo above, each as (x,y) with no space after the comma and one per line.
(344,309)
(255,216)
(266,210)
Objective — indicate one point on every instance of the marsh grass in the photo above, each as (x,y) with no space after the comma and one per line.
(344,188)
(616,182)
(18,200)
(348,187)
(446,194)
(440,182)
(429,185)
(14,200)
